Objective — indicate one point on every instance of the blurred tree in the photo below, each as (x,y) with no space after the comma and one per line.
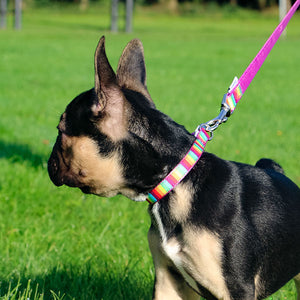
(3,11)
(128,15)
(114,15)
(18,14)
(172,5)
(84,4)
(284,7)
(149,2)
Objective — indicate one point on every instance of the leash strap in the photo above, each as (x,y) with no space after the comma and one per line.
(182,169)
(238,89)
(204,131)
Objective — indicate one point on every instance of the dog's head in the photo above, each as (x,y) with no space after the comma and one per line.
(111,139)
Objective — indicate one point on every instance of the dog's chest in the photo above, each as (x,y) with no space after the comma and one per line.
(173,251)
(196,254)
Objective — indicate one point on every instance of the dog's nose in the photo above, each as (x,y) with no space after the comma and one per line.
(53,170)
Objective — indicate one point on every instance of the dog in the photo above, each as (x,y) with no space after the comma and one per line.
(228,231)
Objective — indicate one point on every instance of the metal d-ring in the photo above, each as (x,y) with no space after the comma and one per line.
(213,124)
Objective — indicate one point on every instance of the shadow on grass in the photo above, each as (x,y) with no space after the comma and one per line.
(82,283)
(77,284)
(21,153)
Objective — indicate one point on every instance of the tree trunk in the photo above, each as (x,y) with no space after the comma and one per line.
(3,11)
(18,14)
(171,5)
(129,13)
(84,4)
(284,6)
(114,15)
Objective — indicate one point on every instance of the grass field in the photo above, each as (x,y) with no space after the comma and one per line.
(57,243)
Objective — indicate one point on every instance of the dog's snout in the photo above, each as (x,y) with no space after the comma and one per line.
(59,173)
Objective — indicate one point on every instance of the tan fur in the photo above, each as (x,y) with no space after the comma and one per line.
(196,255)
(114,124)
(167,286)
(102,174)
(257,283)
(181,202)
(138,87)
(62,124)
(202,257)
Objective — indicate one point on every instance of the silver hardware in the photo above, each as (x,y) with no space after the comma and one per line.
(233,84)
(223,116)
(213,124)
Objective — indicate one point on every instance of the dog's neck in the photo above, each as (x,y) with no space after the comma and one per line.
(154,146)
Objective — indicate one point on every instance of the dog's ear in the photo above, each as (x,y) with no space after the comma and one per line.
(131,71)
(110,100)
(105,77)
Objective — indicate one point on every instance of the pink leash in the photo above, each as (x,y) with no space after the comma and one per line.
(239,86)
(259,59)
(204,131)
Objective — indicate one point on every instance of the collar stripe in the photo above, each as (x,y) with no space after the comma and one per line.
(234,97)
(181,170)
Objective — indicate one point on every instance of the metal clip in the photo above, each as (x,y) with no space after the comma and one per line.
(213,124)
(223,116)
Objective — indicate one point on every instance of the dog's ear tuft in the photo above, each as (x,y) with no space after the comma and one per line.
(105,77)
(131,72)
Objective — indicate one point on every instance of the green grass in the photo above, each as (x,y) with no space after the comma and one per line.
(57,243)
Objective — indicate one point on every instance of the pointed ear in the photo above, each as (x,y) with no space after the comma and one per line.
(105,77)
(131,72)
(110,99)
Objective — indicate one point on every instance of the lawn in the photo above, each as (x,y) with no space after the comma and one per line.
(57,243)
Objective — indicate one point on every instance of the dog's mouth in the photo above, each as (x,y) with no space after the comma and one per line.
(67,172)
(59,172)
(86,189)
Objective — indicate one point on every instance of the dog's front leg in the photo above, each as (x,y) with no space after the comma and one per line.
(169,284)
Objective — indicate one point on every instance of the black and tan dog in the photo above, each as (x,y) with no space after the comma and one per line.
(227,231)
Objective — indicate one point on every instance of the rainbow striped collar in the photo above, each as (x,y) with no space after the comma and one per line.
(203,134)
(182,169)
